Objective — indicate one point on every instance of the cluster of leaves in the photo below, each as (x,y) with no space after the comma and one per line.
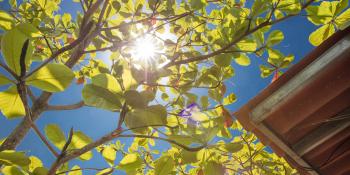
(330,16)
(46,50)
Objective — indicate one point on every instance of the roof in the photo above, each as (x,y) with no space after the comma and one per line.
(304,115)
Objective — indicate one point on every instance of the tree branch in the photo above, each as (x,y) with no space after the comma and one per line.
(4,66)
(44,140)
(40,104)
(80,169)
(112,135)
(65,107)
(223,49)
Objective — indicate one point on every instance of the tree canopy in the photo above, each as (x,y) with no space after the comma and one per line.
(160,52)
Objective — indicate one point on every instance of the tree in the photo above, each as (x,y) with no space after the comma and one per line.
(149,88)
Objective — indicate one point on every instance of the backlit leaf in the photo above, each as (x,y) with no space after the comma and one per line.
(11,170)
(212,167)
(343,20)
(101,98)
(164,165)
(34,163)
(106,81)
(233,147)
(242,59)
(109,153)
(52,78)
(130,162)
(9,157)
(11,104)
(11,46)
(80,140)
(4,80)
(66,18)
(275,37)
(29,30)
(76,170)
(321,34)
(55,135)
(152,115)
(134,99)
(247,45)
(231,98)
(40,171)
(6,20)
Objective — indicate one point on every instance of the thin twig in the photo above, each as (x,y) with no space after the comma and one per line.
(44,140)
(9,70)
(66,107)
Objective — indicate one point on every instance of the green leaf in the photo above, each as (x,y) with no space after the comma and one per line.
(231,98)
(274,54)
(152,115)
(198,4)
(40,171)
(247,45)
(51,78)
(9,157)
(55,135)
(259,7)
(129,81)
(275,37)
(242,60)
(204,102)
(11,170)
(165,96)
(321,34)
(13,3)
(265,71)
(105,171)
(212,167)
(4,80)
(188,157)
(34,163)
(343,20)
(289,6)
(11,46)
(6,20)
(66,18)
(164,165)
(183,139)
(134,99)
(116,5)
(223,60)
(342,4)
(110,154)
(106,81)
(11,104)
(319,15)
(286,61)
(80,140)
(130,162)
(278,14)
(76,170)
(29,30)
(101,98)
(233,147)
(215,95)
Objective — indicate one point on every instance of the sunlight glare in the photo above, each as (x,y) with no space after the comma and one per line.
(144,49)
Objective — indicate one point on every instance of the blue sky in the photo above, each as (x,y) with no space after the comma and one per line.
(245,84)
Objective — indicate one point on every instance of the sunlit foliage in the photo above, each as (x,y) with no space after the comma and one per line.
(160,54)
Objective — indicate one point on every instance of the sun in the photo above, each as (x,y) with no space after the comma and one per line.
(145,48)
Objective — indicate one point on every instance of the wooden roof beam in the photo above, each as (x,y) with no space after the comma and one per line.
(322,133)
(281,96)
(287,149)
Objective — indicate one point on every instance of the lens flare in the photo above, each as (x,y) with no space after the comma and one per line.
(144,49)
